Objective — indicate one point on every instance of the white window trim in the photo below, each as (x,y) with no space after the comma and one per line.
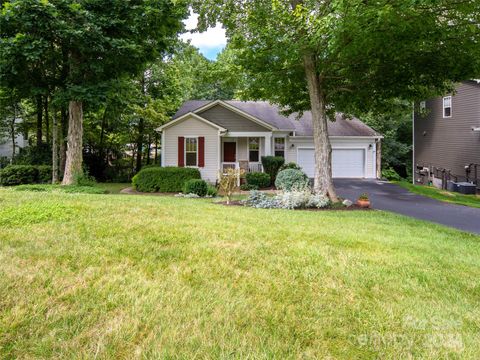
(284,145)
(444,107)
(185,151)
(259,149)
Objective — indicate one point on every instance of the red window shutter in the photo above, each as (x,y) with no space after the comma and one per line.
(181,151)
(201,151)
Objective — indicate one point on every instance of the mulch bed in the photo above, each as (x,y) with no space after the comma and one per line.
(354,207)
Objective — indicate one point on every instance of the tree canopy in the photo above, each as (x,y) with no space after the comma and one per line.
(347,55)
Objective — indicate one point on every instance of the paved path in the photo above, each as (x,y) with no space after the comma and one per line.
(386,196)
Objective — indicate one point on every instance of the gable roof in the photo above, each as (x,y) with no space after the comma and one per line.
(186,116)
(271,114)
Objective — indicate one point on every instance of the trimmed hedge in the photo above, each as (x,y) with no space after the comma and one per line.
(291,179)
(25,174)
(164,179)
(196,186)
(258,180)
(271,165)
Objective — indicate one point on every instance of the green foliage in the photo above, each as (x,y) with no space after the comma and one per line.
(34,155)
(290,165)
(195,186)
(391,174)
(271,165)
(44,174)
(250,187)
(291,179)
(258,180)
(164,179)
(83,179)
(212,191)
(69,189)
(25,174)
(363,197)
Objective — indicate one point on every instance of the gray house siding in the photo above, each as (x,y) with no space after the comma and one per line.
(230,120)
(450,142)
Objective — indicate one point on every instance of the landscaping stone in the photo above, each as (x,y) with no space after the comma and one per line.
(347,203)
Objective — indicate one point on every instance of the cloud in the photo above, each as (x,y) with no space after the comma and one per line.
(210,42)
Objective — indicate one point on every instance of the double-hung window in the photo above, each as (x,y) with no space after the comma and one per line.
(254,149)
(191,151)
(447,107)
(279,144)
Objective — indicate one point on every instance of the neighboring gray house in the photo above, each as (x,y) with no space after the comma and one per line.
(216,135)
(447,132)
(6,144)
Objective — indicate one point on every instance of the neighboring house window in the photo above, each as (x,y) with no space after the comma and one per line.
(191,152)
(280,147)
(447,107)
(423,105)
(254,149)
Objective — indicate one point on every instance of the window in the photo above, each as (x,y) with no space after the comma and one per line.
(280,147)
(254,149)
(447,107)
(191,152)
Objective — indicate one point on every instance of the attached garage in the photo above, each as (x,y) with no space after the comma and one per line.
(346,163)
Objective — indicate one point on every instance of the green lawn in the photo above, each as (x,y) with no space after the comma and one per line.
(114,188)
(110,276)
(442,195)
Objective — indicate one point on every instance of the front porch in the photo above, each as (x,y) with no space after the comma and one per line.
(244,151)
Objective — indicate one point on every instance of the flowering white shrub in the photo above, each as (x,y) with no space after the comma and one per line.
(294,199)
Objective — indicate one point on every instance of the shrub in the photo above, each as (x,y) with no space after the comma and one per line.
(290,165)
(164,179)
(258,179)
(391,174)
(228,182)
(196,186)
(18,175)
(271,165)
(34,155)
(249,187)
(44,175)
(363,197)
(290,178)
(83,179)
(212,191)
(294,199)
(260,200)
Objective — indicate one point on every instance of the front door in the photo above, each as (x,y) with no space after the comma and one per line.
(229,152)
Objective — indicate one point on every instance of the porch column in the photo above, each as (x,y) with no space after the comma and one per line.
(268,145)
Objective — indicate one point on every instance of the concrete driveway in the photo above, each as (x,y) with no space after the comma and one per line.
(390,197)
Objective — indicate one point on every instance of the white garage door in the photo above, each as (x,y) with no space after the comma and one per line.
(347,163)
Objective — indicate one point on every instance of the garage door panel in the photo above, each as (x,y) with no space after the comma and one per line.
(346,163)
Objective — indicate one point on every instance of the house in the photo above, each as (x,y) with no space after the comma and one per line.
(216,135)
(446,134)
(6,144)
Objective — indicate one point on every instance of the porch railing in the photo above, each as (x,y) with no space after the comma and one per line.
(252,167)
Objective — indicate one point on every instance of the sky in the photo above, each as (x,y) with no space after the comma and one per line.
(210,42)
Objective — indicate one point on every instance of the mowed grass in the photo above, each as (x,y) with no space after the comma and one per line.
(117,276)
(442,195)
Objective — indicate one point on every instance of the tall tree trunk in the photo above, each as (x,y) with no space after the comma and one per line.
(141,129)
(149,147)
(39,120)
(47,122)
(12,132)
(73,165)
(156,148)
(323,183)
(102,136)
(54,148)
(63,142)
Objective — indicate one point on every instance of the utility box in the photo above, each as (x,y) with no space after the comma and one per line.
(452,186)
(466,188)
